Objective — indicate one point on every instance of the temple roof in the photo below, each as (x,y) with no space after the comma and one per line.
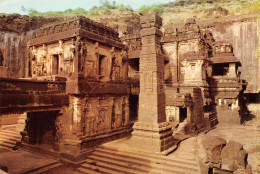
(79,26)
(223,59)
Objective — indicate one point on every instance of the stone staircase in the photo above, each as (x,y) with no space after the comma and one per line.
(8,137)
(213,119)
(111,160)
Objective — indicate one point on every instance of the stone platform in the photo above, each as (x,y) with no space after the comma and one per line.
(22,161)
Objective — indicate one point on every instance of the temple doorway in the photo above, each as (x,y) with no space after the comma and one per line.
(55,64)
(133,107)
(40,127)
(183,114)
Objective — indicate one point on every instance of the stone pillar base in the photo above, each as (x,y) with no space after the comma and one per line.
(156,138)
(73,154)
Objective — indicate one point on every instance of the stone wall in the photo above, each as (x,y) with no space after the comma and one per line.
(103,114)
(243,33)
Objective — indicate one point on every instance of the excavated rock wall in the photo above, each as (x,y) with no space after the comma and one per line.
(13,48)
(243,33)
(13,42)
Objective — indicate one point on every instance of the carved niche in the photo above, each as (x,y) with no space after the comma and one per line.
(104,117)
(90,118)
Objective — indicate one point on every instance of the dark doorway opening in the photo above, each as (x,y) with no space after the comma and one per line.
(133,107)
(102,65)
(183,114)
(220,69)
(55,64)
(41,128)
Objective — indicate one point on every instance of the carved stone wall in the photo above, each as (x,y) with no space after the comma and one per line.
(104,114)
(42,58)
(13,58)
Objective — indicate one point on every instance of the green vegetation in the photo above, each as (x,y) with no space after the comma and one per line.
(175,11)
(105,8)
(155,8)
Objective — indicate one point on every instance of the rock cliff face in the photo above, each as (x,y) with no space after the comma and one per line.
(13,49)
(243,33)
(13,42)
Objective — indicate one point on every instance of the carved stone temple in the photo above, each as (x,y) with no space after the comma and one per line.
(73,85)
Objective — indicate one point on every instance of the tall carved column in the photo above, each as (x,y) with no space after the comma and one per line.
(152,132)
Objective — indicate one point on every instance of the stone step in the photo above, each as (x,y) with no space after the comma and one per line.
(143,155)
(3,133)
(99,167)
(9,137)
(87,171)
(11,142)
(6,137)
(45,168)
(121,166)
(135,159)
(6,145)
(10,131)
(13,126)
(140,165)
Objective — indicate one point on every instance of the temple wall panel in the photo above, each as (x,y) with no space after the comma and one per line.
(104,114)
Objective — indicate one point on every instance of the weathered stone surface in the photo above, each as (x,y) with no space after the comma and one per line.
(233,155)
(213,146)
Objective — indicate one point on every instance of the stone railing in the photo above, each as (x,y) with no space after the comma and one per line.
(220,81)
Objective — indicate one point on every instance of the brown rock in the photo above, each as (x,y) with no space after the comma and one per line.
(234,156)
(213,146)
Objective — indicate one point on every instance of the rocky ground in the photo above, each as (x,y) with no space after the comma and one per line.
(248,135)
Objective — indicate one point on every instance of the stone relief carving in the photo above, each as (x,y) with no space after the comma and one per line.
(170,113)
(123,55)
(69,54)
(116,120)
(192,70)
(83,53)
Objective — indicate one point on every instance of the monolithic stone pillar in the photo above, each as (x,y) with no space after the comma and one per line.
(189,114)
(152,132)
(232,70)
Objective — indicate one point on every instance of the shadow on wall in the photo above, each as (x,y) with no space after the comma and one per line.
(244,113)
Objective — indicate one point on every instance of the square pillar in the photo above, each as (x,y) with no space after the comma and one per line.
(232,70)
(152,132)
